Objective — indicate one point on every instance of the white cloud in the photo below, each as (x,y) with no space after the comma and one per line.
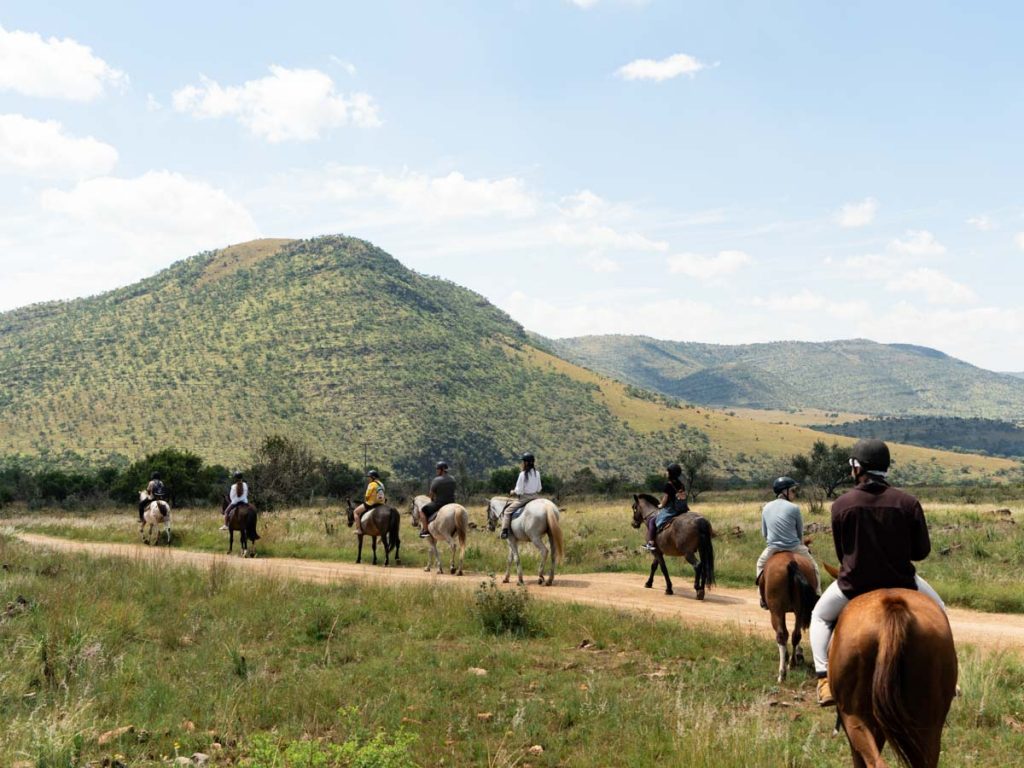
(934,285)
(348,66)
(583,205)
(602,238)
(664,69)
(982,222)
(287,105)
(703,267)
(1019,240)
(872,261)
(430,197)
(919,242)
(808,302)
(53,68)
(857,214)
(584,3)
(42,149)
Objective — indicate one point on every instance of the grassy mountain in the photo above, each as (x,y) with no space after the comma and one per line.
(334,342)
(855,375)
(997,438)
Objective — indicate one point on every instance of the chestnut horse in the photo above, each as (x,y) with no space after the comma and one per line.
(380,522)
(892,669)
(789,588)
(684,535)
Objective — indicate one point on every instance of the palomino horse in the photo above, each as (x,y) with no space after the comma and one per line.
(788,588)
(156,514)
(243,520)
(892,669)
(686,534)
(380,522)
(451,523)
(539,517)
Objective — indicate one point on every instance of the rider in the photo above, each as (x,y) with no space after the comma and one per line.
(442,491)
(527,489)
(238,494)
(878,530)
(373,497)
(156,492)
(673,504)
(783,529)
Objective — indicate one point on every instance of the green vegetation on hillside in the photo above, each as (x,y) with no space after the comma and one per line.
(996,438)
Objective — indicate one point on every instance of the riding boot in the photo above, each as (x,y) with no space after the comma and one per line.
(825,698)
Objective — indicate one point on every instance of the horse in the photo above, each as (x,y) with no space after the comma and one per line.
(789,588)
(157,513)
(684,535)
(539,517)
(243,520)
(892,669)
(382,521)
(451,523)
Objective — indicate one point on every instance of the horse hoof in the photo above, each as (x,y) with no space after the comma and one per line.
(668,591)
(459,573)
(541,581)
(427,569)
(700,594)
(648,585)
(548,583)
(451,571)
(505,580)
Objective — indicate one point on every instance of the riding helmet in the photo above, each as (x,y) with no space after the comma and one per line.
(155,476)
(441,465)
(374,474)
(783,484)
(526,457)
(872,455)
(674,470)
(237,475)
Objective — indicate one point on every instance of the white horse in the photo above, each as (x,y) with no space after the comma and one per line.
(451,523)
(539,517)
(157,513)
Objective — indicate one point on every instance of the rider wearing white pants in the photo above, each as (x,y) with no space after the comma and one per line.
(877,531)
(527,489)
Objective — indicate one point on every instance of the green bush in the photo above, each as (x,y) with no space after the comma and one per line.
(503,611)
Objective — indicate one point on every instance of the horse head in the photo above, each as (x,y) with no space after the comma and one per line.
(349,512)
(414,510)
(644,505)
(494,510)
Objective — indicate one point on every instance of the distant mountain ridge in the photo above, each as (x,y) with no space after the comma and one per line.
(854,375)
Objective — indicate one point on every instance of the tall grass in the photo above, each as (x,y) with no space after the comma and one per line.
(281,671)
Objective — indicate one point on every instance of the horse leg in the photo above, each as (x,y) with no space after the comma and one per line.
(437,555)
(373,542)
(538,542)
(359,548)
(865,746)
(654,568)
(231,539)
(797,660)
(508,562)
(781,639)
(387,549)
(514,543)
(664,572)
(698,575)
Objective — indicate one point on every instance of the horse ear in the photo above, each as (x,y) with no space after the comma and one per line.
(635,497)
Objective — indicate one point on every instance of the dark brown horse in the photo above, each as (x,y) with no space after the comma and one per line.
(243,520)
(892,669)
(380,522)
(789,588)
(686,534)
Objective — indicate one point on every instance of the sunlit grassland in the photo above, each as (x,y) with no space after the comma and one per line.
(735,433)
(190,657)
(976,560)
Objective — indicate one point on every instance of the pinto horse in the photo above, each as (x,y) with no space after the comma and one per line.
(380,522)
(892,669)
(789,588)
(451,523)
(684,535)
(156,513)
(539,518)
(243,520)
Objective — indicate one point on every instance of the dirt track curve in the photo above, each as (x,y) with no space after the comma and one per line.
(723,607)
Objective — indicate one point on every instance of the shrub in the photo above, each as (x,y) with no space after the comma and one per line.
(503,611)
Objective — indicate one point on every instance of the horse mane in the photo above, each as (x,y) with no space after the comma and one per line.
(649,499)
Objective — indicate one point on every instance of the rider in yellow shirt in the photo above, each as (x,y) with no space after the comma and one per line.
(373,497)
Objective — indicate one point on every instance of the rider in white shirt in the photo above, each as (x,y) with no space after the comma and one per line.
(238,494)
(527,489)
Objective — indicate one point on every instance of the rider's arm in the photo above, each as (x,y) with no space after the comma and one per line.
(520,488)
(920,543)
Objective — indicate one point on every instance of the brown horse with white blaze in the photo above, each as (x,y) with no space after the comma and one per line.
(892,669)
(789,580)
(681,537)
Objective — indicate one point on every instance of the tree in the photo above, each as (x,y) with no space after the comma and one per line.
(696,463)
(284,472)
(825,469)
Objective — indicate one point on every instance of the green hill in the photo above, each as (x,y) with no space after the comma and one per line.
(330,341)
(856,375)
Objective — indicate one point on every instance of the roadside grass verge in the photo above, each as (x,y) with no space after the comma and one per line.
(266,668)
(976,558)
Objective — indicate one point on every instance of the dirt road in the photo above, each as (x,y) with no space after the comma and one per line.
(724,607)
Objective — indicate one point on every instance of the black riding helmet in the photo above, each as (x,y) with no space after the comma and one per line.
(374,474)
(155,476)
(674,471)
(783,484)
(441,465)
(872,455)
(527,457)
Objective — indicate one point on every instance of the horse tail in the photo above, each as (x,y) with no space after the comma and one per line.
(251,524)
(394,525)
(462,525)
(555,532)
(801,594)
(706,550)
(886,689)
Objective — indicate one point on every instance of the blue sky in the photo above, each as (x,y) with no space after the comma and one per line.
(722,171)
